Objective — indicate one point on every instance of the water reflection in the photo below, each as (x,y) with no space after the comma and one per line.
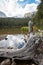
(13,41)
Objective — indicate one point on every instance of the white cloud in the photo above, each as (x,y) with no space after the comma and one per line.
(38,1)
(12,8)
(21,0)
(30,7)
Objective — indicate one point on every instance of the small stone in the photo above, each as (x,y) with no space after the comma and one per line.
(6,62)
(13,63)
(33,64)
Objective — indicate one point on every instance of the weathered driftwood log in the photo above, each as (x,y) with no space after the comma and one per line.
(25,53)
(39,54)
(41,63)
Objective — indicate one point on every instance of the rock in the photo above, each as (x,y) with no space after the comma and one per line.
(6,62)
(33,64)
(13,63)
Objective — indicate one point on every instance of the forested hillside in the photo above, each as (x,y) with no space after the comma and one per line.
(13,22)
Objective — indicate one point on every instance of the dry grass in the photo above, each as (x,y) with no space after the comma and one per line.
(11,31)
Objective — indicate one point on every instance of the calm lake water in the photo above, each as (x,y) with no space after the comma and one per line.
(14,41)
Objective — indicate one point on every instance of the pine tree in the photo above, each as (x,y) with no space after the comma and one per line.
(39,15)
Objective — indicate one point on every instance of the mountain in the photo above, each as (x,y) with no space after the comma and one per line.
(2,14)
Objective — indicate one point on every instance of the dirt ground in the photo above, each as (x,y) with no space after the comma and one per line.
(3,36)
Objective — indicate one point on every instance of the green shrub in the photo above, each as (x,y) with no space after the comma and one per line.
(41,26)
(25,29)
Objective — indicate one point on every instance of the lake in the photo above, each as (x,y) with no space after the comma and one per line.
(13,41)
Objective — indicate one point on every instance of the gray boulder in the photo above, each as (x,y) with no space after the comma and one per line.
(6,62)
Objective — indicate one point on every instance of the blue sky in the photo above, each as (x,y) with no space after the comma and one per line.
(24,2)
(18,7)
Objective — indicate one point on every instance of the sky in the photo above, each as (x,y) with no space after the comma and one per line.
(13,8)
